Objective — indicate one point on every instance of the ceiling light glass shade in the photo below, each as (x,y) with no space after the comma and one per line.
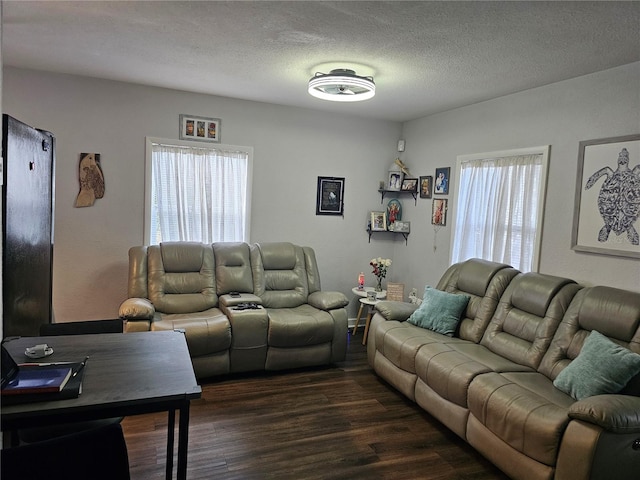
(342,85)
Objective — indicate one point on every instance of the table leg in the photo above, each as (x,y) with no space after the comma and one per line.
(366,326)
(183,441)
(357,319)
(170,441)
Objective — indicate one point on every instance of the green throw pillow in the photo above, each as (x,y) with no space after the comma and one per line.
(602,366)
(439,311)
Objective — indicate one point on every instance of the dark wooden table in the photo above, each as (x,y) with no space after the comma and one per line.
(126,374)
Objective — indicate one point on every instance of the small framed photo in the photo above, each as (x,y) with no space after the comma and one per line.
(202,129)
(426,186)
(378,221)
(395,181)
(402,227)
(439,212)
(409,185)
(330,195)
(442,181)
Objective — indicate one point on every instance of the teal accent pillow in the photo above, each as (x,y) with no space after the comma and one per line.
(439,311)
(602,366)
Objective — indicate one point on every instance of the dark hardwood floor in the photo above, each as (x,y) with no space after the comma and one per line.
(339,422)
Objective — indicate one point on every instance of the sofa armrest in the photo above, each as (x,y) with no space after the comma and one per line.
(398,311)
(615,413)
(327,300)
(137,309)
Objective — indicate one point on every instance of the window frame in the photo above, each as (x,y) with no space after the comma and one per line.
(543,150)
(149,141)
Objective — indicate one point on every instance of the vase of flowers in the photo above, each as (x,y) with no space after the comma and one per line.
(380,266)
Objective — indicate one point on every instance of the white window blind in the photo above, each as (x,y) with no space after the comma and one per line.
(499,209)
(197,193)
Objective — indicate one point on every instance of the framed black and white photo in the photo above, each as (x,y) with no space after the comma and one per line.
(607,200)
(441,186)
(330,196)
(402,227)
(202,129)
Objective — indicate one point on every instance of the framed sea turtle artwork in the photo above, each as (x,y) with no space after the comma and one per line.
(607,200)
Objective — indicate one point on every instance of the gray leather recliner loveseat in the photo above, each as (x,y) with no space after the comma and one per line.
(492,382)
(189,286)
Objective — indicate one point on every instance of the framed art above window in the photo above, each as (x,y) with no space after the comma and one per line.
(202,129)
(330,196)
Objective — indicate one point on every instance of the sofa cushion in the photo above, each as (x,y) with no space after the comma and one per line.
(299,326)
(527,317)
(601,367)
(524,410)
(484,282)
(439,311)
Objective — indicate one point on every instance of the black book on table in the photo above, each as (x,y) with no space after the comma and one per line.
(69,386)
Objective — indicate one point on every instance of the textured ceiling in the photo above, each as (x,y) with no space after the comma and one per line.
(426,57)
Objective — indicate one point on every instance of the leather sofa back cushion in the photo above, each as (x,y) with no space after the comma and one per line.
(613,312)
(484,282)
(181,279)
(233,268)
(282,282)
(527,317)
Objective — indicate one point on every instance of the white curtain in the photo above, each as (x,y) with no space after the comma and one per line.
(497,210)
(198,194)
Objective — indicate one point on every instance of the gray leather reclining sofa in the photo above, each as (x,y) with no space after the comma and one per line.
(187,286)
(492,382)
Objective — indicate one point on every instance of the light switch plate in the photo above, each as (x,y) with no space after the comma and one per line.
(401,145)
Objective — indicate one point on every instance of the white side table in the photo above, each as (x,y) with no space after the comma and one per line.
(371,303)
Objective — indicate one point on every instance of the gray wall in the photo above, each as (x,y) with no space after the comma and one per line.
(604,104)
(292,147)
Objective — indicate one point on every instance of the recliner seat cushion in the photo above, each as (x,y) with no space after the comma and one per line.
(299,326)
(522,409)
(206,332)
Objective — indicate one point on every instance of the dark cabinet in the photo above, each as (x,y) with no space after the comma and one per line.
(27,221)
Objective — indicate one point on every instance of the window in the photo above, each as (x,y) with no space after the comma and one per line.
(196,193)
(499,207)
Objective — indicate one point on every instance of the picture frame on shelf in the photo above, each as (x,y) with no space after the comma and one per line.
(201,129)
(439,212)
(402,227)
(441,186)
(426,186)
(395,181)
(605,219)
(330,196)
(378,221)
(409,184)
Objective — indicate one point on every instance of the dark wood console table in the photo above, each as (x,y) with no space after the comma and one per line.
(126,374)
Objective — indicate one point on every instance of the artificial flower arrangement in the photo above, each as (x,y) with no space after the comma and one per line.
(380,266)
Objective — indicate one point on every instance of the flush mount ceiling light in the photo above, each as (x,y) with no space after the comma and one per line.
(342,85)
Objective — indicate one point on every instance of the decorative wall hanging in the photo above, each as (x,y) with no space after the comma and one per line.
(202,129)
(439,212)
(330,196)
(607,201)
(91,180)
(426,186)
(394,212)
(442,181)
